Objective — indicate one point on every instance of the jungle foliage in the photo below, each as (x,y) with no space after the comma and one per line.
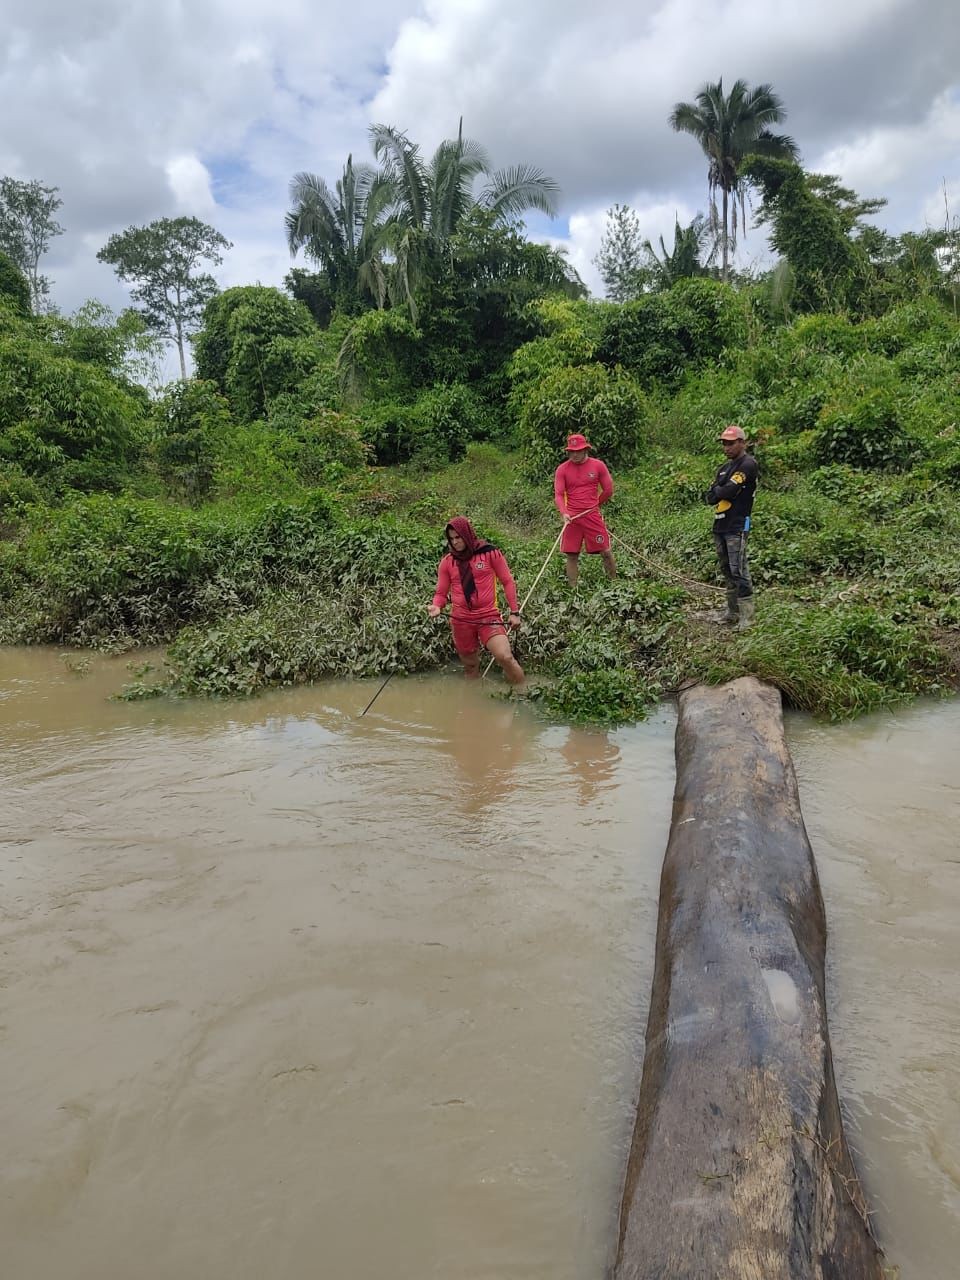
(278,517)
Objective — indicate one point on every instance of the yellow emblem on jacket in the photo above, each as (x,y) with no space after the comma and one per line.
(723,506)
(738,477)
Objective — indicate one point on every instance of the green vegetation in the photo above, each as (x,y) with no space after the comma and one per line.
(27,226)
(161,262)
(278,518)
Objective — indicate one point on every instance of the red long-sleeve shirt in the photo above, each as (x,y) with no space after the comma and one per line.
(487,567)
(580,486)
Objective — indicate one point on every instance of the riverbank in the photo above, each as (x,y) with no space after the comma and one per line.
(856,586)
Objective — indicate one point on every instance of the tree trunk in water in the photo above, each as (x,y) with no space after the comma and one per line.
(739,1168)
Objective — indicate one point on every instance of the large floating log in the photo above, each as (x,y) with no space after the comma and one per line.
(739,1169)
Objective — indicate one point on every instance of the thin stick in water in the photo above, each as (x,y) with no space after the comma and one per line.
(377,694)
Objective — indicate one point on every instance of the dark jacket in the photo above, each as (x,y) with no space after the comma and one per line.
(731,494)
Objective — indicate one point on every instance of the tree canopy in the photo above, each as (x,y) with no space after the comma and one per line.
(162,261)
(380,235)
(729,127)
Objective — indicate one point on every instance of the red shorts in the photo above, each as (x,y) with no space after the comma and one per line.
(589,532)
(469,636)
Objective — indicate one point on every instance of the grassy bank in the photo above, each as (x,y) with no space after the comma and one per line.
(856,585)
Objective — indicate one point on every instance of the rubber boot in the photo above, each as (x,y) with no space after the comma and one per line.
(747,611)
(732,616)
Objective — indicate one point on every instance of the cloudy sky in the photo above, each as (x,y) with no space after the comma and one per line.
(139,109)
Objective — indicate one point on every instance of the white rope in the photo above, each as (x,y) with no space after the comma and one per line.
(691,584)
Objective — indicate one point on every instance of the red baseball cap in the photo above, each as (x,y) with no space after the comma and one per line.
(733,432)
(576,442)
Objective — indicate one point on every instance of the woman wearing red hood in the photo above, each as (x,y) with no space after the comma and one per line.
(468,575)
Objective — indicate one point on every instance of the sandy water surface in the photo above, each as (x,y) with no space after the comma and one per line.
(290,992)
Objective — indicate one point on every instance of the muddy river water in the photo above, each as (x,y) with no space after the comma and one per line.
(288,992)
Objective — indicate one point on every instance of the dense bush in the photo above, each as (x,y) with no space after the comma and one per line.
(191,421)
(704,404)
(922,321)
(837,662)
(435,429)
(120,571)
(866,433)
(359,609)
(14,290)
(304,635)
(607,407)
(17,492)
(255,343)
(660,337)
(65,420)
(378,355)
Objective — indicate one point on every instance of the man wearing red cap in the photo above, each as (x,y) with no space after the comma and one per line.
(581,486)
(731,496)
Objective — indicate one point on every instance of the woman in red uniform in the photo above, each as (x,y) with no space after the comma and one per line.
(468,575)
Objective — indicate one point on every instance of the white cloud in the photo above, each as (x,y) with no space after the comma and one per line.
(884,156)
(137,111)
(140,111)
(585,91)
(190,183)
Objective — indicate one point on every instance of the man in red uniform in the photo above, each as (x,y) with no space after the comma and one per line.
(468,575)
(581,486)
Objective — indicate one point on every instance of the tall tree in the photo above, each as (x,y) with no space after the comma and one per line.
(851,207)
(342,230)
(27,226)
(620,260)
(432,198)
(729,127)
(161,261)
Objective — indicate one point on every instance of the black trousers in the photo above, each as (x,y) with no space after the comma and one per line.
(732,554)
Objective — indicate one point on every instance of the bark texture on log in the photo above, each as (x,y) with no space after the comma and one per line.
(739,1169)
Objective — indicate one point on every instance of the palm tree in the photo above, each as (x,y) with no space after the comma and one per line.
(686,258)
(433,198)
(729,128)
(343,230)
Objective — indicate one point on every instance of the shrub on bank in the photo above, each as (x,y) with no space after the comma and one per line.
(836,663)
(64,421)
(307,634)
(125,571)
(607,407)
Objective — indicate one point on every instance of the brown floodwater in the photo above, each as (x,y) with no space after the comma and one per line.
(285,991)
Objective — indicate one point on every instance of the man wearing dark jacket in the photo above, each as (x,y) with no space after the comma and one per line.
(731,496)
